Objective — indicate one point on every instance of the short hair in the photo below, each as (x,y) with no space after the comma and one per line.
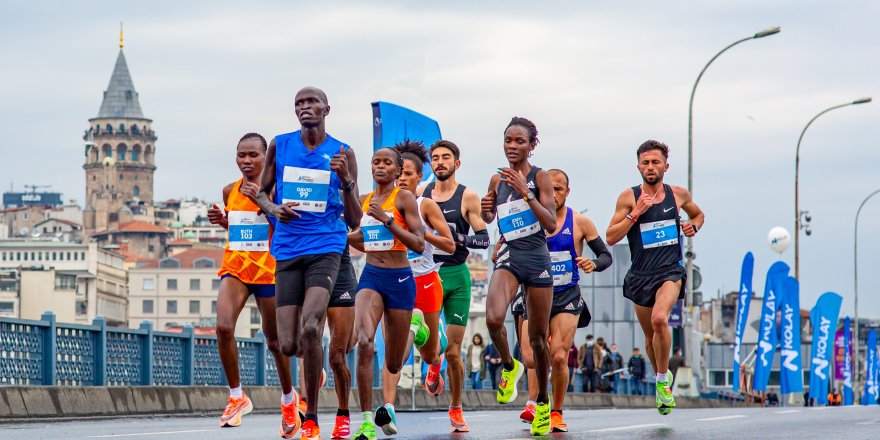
(399,160)
(653,145)
(414,151)
(528,125)
(448,145)
(557,170)
(254,136)
(589,336)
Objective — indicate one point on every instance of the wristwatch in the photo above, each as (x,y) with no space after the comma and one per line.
(631,218)
(348,186)
(389,222)
(529,196)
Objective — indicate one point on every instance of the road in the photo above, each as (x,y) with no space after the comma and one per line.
(742,423)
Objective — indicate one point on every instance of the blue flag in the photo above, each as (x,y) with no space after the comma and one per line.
(393,124)
(791,367)
(869,396)
(824,320)
(847,363)
(742,312)
(767,335)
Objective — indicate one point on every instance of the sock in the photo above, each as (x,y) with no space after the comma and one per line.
(367,417)
(236,392)
(508,367)
(312,417)
(531,401)
(287,399)
(556,411)
(303,399)
(454,407)
(390,405)
(342,413)
(662,377)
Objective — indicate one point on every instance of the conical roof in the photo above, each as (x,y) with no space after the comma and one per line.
(120,98)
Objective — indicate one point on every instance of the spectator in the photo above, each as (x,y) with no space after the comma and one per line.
(493,357)
(475,361)
(772,398)
(616,365)
(637,370)
(677,360)
(587,364)
(572,364)
(834,398)
(606,367)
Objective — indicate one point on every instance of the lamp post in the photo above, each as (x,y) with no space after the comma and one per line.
(797,163)
(856,292)
(689,255)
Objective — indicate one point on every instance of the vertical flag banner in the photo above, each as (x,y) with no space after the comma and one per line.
(767,335)
(838,354)
(869,396)
(742,312)
(824,320)
(791,377)
(393,123)
(847,363)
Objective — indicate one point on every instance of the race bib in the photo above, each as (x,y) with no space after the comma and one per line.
(562,267)
(658,234)
(248,231)
(376,236)
(516,220)
(416,259)
(306,186)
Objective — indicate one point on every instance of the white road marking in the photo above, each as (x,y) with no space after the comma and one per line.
(138,434)
(791,411)
(628,427)
(711,419)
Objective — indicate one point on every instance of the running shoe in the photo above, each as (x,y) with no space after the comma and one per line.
(342,428)
(456,419)
(303,405)
(541,424)
(367,431)
(385,419)
(665,399)
(508,383)
(290,417)
(420,330)
(433,380)
(443,341)
(235,409)
(528,413)
(311,431)
(557,423)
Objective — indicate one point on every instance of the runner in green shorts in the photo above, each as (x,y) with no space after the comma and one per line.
(461,208)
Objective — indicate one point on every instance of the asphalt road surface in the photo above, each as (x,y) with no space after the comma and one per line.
(737,423)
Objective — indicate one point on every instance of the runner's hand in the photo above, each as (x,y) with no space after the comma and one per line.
(285,213)
(586,264)
(487,203)
(216,215)
(377,212)
(339,165)
(515,179)
(250,190)
(643,204)
(688,229)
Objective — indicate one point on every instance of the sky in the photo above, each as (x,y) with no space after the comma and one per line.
(597,78)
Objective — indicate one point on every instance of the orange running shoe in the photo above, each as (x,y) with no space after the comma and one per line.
(433,380)
(456,419)
(235,409)
(556,422)
(290,419)
(342,428)
(311,431)
(528,413)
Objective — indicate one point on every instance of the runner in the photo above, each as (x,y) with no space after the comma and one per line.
(461,208)
(386,290)
(424,327)
(523,218)
(315,179)
(647,215)
(248,269)
(569,311)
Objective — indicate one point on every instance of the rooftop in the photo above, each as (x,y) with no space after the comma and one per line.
(120,98)
(34,244)
(188,257)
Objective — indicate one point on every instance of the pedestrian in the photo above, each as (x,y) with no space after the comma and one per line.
(493,359)
(572,364)
(676,361)
(606,367)
(636,368)
(475,362)
(587,364)
(616,365)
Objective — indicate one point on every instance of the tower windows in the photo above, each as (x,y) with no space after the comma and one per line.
(136,191)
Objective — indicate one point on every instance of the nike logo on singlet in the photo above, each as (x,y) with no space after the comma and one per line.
(447,211)
(400,280)
(668,209)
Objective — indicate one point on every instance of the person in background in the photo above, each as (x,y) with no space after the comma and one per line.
(572,364)
(476,364)
(587,364)
(676,361)
(636,367)
(616,364)
(493,359)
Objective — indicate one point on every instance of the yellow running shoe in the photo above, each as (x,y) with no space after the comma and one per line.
(509,381)
(541,424)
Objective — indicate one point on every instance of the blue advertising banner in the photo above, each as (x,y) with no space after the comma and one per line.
(791,377)
(742,312)
(847,363)
(767,335)
(675,318)
(869,396)
(824,320)
(393,124)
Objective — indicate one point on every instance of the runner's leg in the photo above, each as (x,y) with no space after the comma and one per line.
(270,331)
(368,312)
(562,330)
(314,314)
(667,296)
(502,289)
(538,303)
(341,320)
(230,301)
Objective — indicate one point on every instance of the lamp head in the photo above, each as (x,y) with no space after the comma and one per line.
(862,100)
(768,32)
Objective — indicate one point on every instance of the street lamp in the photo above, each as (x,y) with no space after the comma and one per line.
(689,255)
(797,163)
(856,292)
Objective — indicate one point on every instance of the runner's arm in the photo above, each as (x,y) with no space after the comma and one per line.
(283,212)
(434,218)
(590,234)
(356,239)
(414,238)
(695,214)
(488,203)
(351,209)
(216,215)
(545,209)
(480,238)
(620,225)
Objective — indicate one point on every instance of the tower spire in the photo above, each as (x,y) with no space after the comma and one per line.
(121,42)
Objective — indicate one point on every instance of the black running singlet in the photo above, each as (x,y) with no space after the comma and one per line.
(457,224)
(654,238)
(516,221)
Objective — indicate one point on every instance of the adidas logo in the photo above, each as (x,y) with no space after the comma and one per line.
(345,296)
(544,274)
(570,306)
(566,231)
(530,184)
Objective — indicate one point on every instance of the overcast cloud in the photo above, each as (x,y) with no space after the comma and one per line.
(597,78)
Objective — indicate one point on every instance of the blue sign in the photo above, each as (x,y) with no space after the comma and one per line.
(675,318)
(791,378)
(742,312)
(767,335)
(847,364)
(393,124)
(870,395)
(824,320)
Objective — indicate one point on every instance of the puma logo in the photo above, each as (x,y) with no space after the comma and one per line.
(400,280)
(458,316)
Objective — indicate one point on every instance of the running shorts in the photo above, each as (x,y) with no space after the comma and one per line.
(257,290)
(429,293)
(346,285)
(456,293)
(295,275)
(397,287)
(531,268)
(641,287)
